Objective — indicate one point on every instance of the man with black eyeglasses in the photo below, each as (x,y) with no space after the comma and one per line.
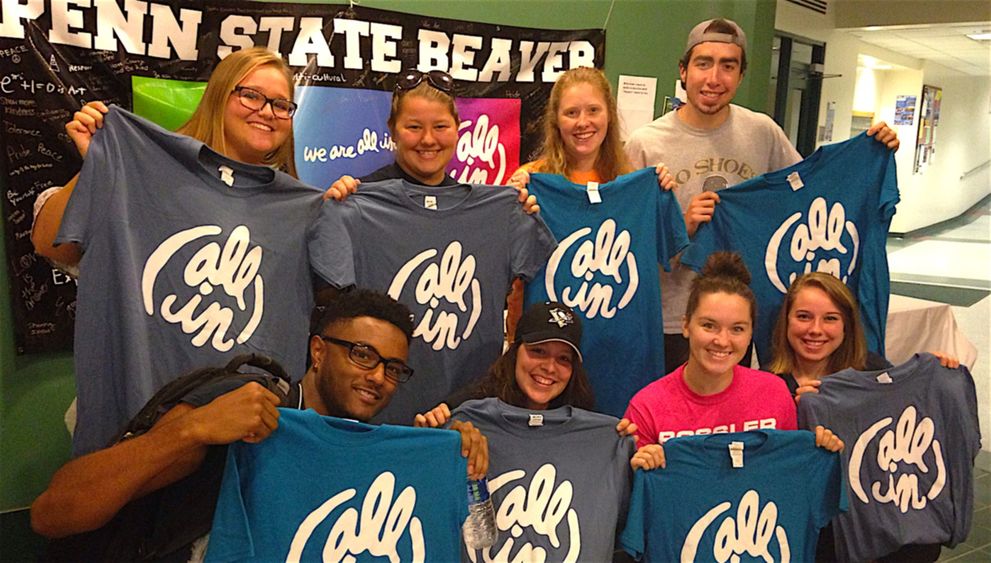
(359,350)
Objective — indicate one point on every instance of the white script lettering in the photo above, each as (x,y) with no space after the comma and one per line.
(751,532)
(607,256)
(450,280)
(824,231)
(541,505)
(907,443)
(481,143)
(233,268)
(377,530)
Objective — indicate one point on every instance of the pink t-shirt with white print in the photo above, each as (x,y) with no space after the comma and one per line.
(668,408)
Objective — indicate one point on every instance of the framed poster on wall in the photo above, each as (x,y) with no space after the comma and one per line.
(925,145)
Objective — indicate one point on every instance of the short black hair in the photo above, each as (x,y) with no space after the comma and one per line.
(717,26)
(365,303)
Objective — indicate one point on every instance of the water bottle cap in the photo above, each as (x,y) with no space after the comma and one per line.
(478,491)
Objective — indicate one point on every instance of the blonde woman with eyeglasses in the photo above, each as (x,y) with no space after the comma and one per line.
(245,114)
(192,245)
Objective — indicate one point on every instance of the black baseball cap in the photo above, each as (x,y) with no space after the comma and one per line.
(550,322)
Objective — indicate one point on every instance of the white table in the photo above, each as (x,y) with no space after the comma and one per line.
(917,325)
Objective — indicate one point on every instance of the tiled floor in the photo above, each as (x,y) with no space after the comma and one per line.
(977,546)
(953,254)
(951,263)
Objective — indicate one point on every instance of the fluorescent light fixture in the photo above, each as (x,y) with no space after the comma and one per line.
(982,36)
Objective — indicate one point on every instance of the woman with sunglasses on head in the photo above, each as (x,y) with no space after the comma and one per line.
(423,122)
(245,114)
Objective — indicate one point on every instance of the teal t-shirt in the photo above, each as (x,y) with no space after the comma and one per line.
(605,268)
(828,213)
(701,508)
(322,488)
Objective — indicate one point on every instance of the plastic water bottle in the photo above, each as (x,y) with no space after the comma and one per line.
(480,528)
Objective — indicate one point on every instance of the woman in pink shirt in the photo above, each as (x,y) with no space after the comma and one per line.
(712,393)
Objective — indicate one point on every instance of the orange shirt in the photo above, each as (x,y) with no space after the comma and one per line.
(575,177)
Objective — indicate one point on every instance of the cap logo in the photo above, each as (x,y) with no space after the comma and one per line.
(560,317)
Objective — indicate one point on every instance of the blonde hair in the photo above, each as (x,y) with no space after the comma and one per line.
(423,90)
(207,122)
(851,353)
(611,160)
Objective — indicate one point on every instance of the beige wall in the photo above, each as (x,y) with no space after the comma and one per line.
(963,142)
(963,138)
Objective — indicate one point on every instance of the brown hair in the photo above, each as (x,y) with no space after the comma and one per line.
(207,121)
(423,90)
(612,160)
(852,352)
(500,381)
(723,272)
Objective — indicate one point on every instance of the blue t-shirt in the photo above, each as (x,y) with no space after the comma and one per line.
(605,268)
(701,508)
(323,489)
(181,270)
(837,222)
(911,435)
(450,254)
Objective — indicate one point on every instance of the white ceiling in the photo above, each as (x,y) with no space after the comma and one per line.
(944,44)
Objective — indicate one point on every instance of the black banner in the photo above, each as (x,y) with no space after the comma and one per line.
(55,56)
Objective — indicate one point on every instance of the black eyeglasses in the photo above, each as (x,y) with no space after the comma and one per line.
(255,100)
(437,78)
(368,357)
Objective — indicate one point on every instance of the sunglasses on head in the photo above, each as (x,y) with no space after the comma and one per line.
(437,78)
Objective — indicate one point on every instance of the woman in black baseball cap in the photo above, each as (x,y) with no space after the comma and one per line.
(541,369)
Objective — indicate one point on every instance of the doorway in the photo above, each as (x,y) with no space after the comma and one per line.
(796,87)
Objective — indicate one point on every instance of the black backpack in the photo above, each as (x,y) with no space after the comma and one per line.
(217,380)
(162,525)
